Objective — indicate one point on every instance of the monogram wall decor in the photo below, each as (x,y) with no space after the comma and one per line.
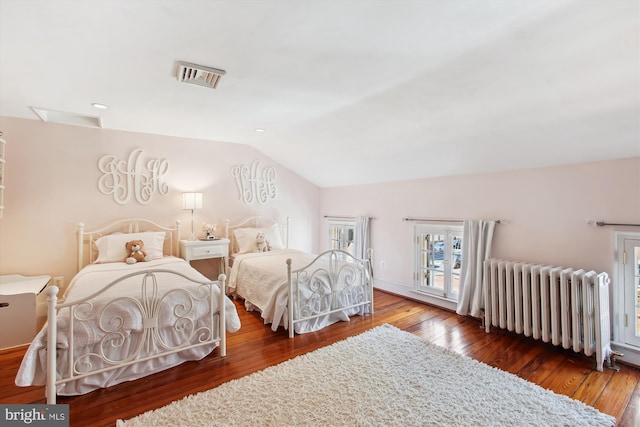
(126,179)
(255,184)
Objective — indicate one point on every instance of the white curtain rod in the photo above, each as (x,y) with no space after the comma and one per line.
(602,224)
(344,217)
(498,221)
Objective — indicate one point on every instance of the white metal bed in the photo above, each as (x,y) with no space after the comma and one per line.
(119,322)
(301,291)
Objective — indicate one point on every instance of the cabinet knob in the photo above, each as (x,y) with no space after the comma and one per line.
(4,304)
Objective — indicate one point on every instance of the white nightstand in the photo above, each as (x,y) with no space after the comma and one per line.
(18,308)
(192,250)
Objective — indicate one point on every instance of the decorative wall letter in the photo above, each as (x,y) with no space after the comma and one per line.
(125,179)
(254,184)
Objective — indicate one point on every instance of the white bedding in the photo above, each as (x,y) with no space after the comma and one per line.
(87,335)
(261,280)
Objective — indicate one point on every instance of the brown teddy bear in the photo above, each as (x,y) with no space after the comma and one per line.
(135,252)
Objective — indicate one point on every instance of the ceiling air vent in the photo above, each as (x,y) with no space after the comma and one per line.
(199,75)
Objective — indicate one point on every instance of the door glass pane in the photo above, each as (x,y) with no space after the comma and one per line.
(334,233)
(456,262)
(636,281)
(432,260)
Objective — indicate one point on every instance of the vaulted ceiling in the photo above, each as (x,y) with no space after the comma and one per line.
(347,92)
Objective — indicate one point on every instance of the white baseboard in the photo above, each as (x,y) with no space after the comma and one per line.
(407,291)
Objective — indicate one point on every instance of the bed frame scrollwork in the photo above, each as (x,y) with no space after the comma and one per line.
(174,320)
(335,281)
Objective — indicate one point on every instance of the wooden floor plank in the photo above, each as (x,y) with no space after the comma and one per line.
(573,375)
(255,346)
(591,389)
(615,398)
(631,415)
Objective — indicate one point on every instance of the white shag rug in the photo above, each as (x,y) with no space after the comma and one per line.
(383,377)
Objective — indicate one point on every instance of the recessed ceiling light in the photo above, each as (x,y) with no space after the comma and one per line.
(259,130)
(100,106)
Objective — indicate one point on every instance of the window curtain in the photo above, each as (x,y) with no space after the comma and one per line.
(476,242)
(361,238)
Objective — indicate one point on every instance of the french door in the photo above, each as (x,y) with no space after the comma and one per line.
(630,249)
(438,260)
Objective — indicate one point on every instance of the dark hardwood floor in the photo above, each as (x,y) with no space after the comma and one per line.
(256,347)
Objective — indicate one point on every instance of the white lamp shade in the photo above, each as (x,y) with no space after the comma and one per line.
(192,200)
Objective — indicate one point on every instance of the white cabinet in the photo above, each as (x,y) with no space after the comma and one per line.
(204,249)
(192,250)
(18,308)
(2,162)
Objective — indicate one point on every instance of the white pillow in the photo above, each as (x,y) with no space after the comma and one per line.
(112,248)
(246,238)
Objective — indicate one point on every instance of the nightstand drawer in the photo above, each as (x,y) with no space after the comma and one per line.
(204,249)
(207,252)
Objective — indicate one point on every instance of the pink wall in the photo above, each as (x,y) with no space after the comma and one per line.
(52,175)
(547,210)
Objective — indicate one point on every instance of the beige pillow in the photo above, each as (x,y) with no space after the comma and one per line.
(111,248)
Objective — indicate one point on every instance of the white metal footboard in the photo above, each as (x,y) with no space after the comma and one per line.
(188,327)
(335,281)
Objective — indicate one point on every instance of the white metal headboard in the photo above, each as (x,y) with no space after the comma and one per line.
(124,226)
(256,222)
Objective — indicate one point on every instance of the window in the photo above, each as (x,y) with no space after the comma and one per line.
(438,260)
(341,234)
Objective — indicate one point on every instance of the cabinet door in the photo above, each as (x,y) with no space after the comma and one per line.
(18,317)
